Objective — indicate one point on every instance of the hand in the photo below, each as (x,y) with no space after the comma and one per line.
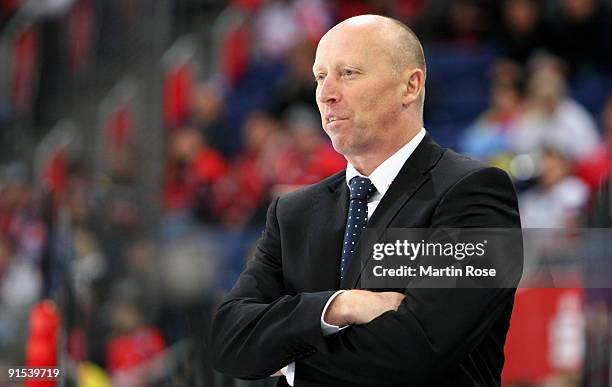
(361,306)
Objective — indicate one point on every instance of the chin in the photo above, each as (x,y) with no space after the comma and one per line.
(344,143)
(339,145)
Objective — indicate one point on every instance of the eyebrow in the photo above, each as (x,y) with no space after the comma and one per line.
(316,68)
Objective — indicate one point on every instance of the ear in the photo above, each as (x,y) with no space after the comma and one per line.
(414,81)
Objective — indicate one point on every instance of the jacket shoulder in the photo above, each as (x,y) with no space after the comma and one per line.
(307,194)
(454,166)
(459,164)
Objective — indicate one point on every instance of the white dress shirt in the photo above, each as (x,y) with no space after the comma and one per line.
(381,177)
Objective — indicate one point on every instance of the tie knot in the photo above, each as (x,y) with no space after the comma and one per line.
(362,188)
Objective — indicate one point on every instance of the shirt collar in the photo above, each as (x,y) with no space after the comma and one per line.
(385,173)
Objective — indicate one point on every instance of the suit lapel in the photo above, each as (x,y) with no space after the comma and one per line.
(331,208)
(411,177)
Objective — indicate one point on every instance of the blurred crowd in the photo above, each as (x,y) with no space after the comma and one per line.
(525,85)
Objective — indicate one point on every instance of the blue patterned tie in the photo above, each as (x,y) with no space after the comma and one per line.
(362,190)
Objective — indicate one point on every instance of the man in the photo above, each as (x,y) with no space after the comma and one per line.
(286,310)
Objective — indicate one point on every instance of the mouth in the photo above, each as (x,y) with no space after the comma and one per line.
(332,119)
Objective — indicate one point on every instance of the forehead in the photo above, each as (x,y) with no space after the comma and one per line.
(353,44)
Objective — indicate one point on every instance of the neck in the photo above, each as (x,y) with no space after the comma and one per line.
(366,162)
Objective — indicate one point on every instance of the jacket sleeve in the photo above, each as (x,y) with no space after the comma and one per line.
(433,328)
(259,328)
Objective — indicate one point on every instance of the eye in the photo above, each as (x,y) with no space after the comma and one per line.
(348,73)
(319,77)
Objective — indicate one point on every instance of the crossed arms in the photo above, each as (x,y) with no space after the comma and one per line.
(261,328)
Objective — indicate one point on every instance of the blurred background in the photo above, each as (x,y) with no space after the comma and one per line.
(142,140)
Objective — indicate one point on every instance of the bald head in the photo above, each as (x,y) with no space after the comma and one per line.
(394,38)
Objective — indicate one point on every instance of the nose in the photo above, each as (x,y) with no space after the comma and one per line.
(328,90)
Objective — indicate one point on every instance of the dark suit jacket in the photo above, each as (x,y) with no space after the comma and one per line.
(438,337)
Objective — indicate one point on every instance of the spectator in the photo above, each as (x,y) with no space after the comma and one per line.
(208,108)
(508,72)
(20,287)
(18,216)
(297,85)
(132,347)
(487,138)
(551,113)
(193,167)
(549,209)
(275,29)
(280,25)
(463,22)
(522,31)
(559,196)
(582,35)
(241,198)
